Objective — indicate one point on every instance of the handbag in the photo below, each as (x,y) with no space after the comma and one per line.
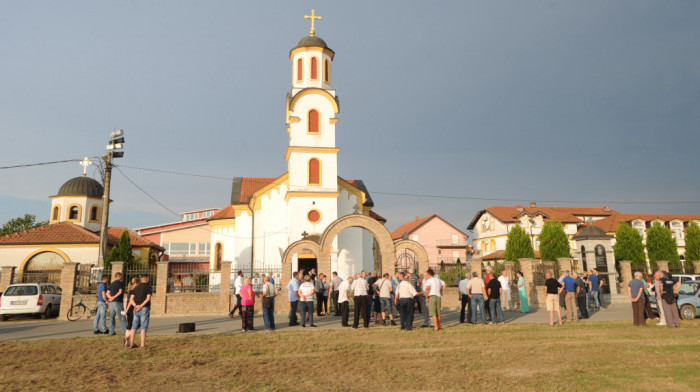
(669,298)
(267,302)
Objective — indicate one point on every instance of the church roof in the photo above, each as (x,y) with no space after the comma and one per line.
(70,233)
(590,231)
(81,186)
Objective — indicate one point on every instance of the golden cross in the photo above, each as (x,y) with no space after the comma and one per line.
(313,18)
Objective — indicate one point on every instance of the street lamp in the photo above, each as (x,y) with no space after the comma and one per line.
(116,143)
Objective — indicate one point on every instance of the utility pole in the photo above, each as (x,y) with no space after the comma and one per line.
(115,143)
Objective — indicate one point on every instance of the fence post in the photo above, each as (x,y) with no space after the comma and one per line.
(695,263)
(68,274)
(159,298)
(475,266)
(117,266)
(225,290)
(662,265)
(626,272)
(8,274)
(564,264)
(514,297)
(526,269)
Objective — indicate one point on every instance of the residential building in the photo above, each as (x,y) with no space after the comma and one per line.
(443,242)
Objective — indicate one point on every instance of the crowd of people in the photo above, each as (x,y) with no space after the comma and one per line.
(663,291)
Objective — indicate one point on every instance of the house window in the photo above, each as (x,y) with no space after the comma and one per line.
(74,213)
(314,121)
(300,70)
(455,239)
(93,213)
(218,256)
(640,226)
(204,248)
(314,68)
(314,172)
(677,229)
(492,246)
(326,71)
(314,216)
(207,214)
(56,213)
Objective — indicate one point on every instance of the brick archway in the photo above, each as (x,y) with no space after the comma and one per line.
(293,249)
(417,249)
(380,233)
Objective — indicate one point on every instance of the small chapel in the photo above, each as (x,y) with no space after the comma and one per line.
(266,215)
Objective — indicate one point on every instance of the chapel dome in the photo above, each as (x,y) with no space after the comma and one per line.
(591,231)
(81,186)
(312,40)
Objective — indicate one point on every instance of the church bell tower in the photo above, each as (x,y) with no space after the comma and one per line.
(312,156)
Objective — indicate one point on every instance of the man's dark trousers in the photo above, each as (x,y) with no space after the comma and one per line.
(293,313)
(360,309)
(466,302)
(344,312)
(334,298)
(581,299)
(406,311)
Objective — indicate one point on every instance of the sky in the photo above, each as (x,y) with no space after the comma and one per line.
(565,103)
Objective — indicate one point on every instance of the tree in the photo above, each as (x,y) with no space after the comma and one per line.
(629,246)
(661,245)
(518,245)
(20,224)
(122,252)
(692,242)
(553,241)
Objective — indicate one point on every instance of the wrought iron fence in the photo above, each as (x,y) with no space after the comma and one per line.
(130,274)
(49,276)
(275,274)
(676,269)
(88,278)
(540,269)
(195,281)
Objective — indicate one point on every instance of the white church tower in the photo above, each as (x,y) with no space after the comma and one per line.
(312,156)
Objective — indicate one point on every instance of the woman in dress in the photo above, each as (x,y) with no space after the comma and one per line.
(524,307)
(129,312)
(247,301)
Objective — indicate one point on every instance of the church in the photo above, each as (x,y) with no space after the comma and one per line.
(266,215)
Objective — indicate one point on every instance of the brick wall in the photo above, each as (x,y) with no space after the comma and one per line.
(180,303)
(6,279)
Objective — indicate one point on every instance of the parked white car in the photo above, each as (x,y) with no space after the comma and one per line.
(41,299)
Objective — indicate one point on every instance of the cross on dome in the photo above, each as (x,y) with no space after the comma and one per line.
(313,18)
(85,163)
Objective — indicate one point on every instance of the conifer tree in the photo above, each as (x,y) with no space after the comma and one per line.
(553,241)
(518,245)
(661,245)
(692,242)
(628,245)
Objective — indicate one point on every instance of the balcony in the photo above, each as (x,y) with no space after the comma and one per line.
(461,243)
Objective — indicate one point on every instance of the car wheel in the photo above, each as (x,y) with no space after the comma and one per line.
(47,313)
(688,312)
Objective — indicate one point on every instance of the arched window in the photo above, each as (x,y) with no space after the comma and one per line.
(314,121)
(326,71)
(218,255)
(314,172)
(56,213)
(74,213)
(314,68)
(93,213)
(492,246)
(300,70)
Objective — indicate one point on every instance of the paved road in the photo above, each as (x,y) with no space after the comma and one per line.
(28,329)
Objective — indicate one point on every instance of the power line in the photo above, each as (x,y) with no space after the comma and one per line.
(145,193)
(39,164)
(451,196)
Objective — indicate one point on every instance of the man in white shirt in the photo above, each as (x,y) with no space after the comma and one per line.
(506,299)
(360,288)
(237,284)
(344,300)
(433,290)
(405,295)
(424,304)
(383,289)
(466,302)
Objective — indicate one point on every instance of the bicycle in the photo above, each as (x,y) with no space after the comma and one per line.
(78,310)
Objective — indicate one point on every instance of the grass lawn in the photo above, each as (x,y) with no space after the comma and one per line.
(585,356)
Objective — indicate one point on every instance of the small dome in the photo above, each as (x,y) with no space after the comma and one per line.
(81,186)
(591,231)
(311,40)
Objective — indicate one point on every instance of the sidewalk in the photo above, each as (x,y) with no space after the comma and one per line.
(29,329)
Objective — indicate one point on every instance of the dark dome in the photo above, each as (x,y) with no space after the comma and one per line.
(592,231)
(311,40)
(81,186)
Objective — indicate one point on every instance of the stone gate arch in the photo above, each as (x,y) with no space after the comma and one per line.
(294,248)
(417,249)
(380,233)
